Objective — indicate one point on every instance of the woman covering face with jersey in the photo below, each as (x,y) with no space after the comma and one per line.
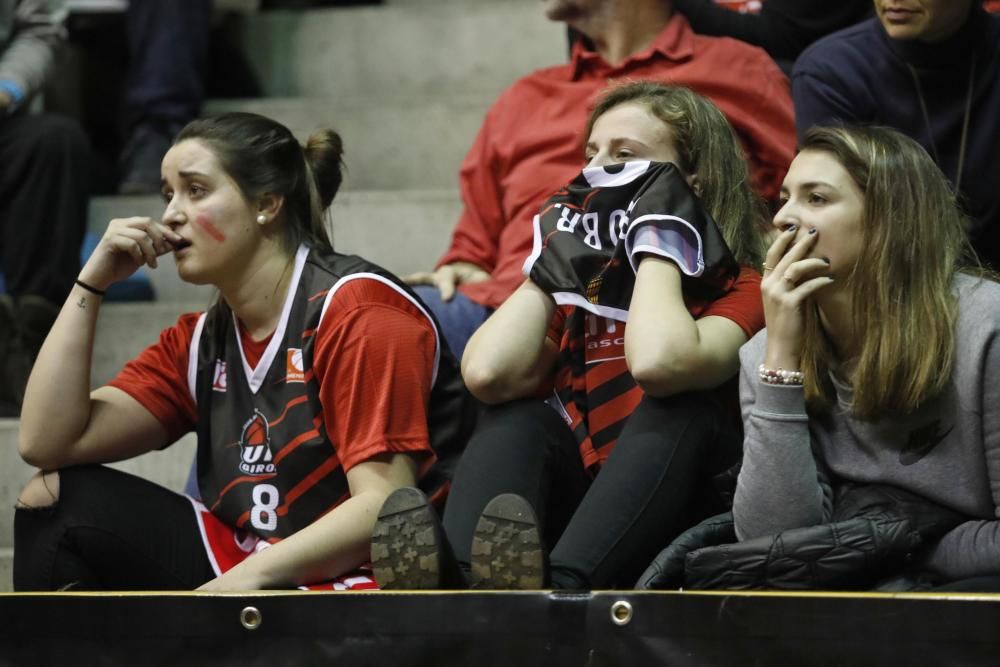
(606,371)
(317,384)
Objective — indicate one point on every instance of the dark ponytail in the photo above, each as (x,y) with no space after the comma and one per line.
(324,152)
(262,156)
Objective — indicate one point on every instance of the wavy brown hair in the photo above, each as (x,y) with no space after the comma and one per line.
(709,149)
(913,242)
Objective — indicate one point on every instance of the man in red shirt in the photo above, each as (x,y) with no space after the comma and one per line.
(530,142)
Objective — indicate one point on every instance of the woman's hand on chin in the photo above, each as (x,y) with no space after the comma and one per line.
(790,279)
(127,244)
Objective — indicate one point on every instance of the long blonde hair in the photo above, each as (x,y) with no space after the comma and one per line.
(709,149)
(913,242)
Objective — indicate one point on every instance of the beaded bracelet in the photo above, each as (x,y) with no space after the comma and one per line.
(779,376)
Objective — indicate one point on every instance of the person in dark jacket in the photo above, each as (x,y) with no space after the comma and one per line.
(929,69)
(783,28)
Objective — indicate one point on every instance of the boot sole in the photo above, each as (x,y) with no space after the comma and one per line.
(405,551)
(507,550)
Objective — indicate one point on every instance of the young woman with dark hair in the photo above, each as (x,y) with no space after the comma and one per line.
(317,384)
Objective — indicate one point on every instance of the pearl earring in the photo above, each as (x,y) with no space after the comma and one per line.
(261,219)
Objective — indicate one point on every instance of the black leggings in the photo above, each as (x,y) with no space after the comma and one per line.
(605,532)
(109,531)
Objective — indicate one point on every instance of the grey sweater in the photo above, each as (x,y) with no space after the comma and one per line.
(29,36)
(947,451)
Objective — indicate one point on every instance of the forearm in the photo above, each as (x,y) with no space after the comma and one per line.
(57,403)
(334,544)
(666,349)
(778,486)
(507,356)
(970,550)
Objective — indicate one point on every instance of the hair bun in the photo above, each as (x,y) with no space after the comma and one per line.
(324,152)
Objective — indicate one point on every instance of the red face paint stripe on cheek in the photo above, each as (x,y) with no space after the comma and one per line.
(206,223)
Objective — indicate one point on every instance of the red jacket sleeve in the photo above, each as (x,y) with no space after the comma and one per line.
(374,361)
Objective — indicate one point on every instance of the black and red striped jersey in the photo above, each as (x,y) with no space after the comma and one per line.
(593,388)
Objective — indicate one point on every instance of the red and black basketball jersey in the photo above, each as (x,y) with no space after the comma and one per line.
(265,461)
(593,389)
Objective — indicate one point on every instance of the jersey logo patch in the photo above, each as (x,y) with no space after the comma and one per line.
(220,381)
(255,446)
(294,370)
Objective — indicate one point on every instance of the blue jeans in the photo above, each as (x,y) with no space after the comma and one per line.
(458,318)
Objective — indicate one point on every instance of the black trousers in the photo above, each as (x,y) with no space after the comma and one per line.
(109,531)
(44,188)
(603,532)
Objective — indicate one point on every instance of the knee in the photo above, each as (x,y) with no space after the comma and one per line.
(41,491)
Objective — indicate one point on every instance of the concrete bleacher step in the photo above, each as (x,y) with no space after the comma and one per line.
(125,329)
(390,142)
(168,468)
(430,47)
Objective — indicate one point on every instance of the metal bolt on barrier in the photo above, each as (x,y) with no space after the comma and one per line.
(250,618)
(621,612)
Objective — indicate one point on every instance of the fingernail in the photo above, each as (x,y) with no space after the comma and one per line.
(812,231)
(792,228)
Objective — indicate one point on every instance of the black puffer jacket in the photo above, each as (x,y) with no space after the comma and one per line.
(875,529)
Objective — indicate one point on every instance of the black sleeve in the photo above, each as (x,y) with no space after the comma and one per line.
(783,28)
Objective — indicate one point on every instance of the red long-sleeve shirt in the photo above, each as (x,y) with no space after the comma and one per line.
(530,143)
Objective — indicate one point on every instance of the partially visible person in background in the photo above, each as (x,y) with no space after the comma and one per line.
(165,83)
(928,68)
(44,188)
(783,28)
